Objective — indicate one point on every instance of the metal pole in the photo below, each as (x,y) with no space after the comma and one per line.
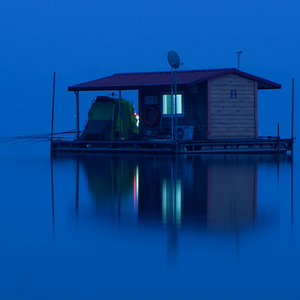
(120,117)
(52,120)
(77,114)
(172,125)
(292,133)
(239,53)
(175,84)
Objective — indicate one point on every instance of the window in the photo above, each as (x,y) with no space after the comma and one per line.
(167,107)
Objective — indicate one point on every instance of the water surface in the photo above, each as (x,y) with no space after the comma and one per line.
(148,227)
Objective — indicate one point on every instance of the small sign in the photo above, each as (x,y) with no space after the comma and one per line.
(150,100)
(233,94)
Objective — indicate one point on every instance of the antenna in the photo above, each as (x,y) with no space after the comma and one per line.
(173,60)
(239,54)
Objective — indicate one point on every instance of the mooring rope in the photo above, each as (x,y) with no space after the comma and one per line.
(44,137)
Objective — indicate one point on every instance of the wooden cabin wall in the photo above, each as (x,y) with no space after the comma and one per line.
(195,108)
(143,128)
(232,108)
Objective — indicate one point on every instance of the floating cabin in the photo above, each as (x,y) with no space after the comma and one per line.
(215,111)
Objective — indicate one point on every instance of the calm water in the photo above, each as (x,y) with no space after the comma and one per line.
(148,227)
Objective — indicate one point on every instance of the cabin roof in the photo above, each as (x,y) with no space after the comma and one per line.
(136,81)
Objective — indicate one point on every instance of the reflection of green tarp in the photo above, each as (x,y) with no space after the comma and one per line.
(103,120)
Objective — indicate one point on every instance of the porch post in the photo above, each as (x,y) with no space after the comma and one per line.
(77,114)
(175,84)
(52,119)
(292,119)
(172,107)
(120,116)
(255,111)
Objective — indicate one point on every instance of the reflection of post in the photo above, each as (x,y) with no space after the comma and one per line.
(77,186)
(173,241)
(119,189)
(112,186)
(171,194)
(52,193)
(277,160)
(136,186)
(292,193)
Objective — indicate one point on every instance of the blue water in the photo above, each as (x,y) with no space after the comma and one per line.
(112,226)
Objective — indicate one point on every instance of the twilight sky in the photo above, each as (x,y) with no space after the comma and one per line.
(86,40)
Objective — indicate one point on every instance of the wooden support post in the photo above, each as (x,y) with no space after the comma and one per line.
(175,85)
(52,120)
(77,114)
(292,120)
(172,106)
(120,117)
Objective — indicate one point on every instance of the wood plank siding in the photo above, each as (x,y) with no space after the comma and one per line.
(232,107)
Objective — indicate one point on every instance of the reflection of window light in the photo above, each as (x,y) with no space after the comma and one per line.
(178,202)
(171,210)
(167,105)
(164,201)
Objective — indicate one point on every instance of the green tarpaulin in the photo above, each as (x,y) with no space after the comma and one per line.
(103,120)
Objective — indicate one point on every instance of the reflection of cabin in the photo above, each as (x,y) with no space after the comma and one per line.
(217,104)
(232,197)
(219,191)
(216,191)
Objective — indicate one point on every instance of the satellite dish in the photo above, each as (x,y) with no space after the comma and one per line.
(173,60)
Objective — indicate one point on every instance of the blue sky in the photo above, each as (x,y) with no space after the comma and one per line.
(85,40)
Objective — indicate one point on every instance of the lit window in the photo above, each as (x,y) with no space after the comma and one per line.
(166,100)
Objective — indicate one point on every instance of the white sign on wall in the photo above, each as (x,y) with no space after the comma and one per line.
(150,100)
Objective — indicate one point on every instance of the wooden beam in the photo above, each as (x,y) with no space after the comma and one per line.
(208,115)
(77,114)
(120,117)
(255,110)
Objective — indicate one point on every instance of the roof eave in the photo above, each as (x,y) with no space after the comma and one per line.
(263,84)
(114,87)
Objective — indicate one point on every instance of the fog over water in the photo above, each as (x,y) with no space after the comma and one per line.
(144,227)
(112,227)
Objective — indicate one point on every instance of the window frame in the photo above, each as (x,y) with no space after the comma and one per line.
(180,115)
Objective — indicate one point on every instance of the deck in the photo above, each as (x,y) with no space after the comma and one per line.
(260,145)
